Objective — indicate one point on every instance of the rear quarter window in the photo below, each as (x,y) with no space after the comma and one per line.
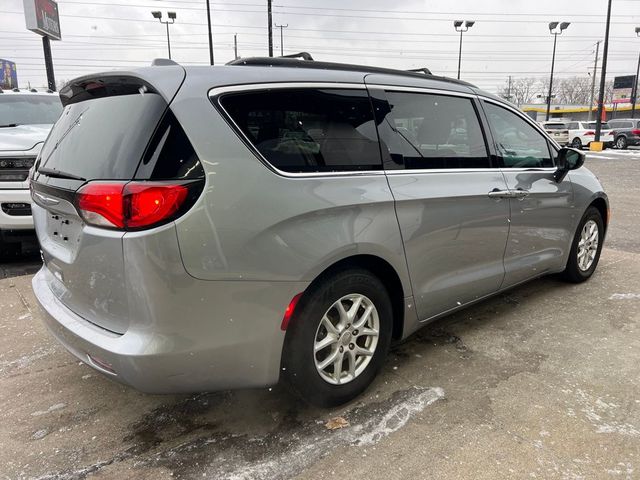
(308,130)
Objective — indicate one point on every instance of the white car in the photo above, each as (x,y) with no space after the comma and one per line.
(557,130)
(26,117)
(581,134)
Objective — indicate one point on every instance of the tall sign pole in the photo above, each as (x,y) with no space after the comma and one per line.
(41,17)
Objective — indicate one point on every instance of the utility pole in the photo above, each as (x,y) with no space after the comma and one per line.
(593,79)
(235,45)
(270,21)
(281,27)
(210,33)
(603,76)
(509,89)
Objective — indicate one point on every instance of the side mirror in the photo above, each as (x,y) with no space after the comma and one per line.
(567,159)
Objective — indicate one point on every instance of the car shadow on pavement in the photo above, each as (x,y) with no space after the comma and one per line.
(269,433)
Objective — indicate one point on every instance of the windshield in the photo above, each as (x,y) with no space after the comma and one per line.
(29,109)
(592,125)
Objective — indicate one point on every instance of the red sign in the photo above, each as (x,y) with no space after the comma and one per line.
(42,17)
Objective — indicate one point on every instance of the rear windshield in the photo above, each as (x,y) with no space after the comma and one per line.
(29,109)
(103,138)
(555,126)
(592,125)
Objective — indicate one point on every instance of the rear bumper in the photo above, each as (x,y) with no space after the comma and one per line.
(205,348)
(15,222)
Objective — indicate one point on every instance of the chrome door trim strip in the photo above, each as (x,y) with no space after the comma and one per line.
(431,90)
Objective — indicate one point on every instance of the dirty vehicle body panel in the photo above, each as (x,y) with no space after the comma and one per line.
(197,303)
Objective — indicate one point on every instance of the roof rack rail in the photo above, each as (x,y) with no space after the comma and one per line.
(302,55)
(291,62)
(424,70)
(162,62)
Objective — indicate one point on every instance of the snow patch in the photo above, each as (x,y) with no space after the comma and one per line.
(625,296)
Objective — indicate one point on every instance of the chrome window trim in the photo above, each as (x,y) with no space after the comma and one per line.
(215,93)
(468,170)
(431,90)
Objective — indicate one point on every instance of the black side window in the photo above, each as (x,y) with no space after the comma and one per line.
(428,131)
(308,130)
(518,143)
(170,155)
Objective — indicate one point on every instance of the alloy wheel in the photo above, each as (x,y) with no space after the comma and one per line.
(588,245)
(346,339)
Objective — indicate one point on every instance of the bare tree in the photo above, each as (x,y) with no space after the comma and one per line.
(573,91)
(522,90)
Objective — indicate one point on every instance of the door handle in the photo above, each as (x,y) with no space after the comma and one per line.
(497,193)
(520,193)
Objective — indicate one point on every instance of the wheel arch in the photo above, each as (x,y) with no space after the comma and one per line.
(602,205)
(387,274)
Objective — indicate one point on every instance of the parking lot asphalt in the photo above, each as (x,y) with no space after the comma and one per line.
(539,382)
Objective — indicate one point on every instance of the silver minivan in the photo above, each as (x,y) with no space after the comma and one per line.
(207,228)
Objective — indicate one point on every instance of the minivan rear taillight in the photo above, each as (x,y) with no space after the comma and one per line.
(133,205)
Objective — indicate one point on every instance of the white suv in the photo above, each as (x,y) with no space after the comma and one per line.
(581,134)
(26,117)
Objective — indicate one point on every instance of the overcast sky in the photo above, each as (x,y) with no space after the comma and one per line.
(510,37)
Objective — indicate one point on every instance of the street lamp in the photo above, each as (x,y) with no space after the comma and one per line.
(553,30)
(634,97)
(458,25)
(172,17)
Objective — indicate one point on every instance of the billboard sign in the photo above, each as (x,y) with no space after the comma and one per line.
(623,88)
(8,75)
(42,18)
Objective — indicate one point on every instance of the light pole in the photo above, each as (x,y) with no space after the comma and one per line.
(172,17)
(553,31)
(634,97)
(210,33)
(458,25)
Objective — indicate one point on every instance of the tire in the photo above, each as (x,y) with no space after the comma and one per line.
(335,384)
(621,143)
(576,143)
(578,269)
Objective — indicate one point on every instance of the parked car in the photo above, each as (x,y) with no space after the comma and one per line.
(557,130)
(209,228)
(583,133)
(25,120)
(625,131)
